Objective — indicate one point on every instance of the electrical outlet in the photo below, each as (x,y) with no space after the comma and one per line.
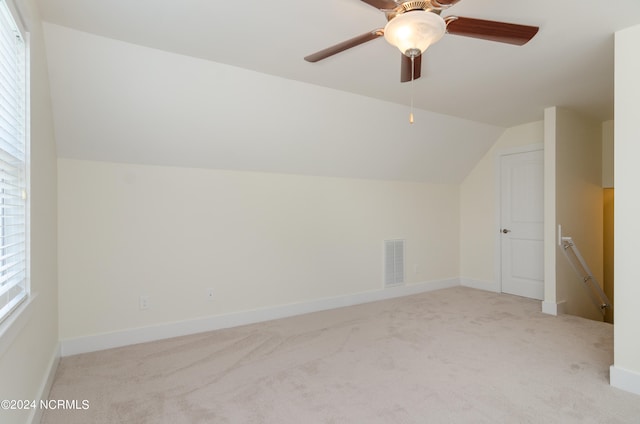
(210,294)
(143,302)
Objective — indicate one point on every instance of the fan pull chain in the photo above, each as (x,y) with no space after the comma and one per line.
(412,68)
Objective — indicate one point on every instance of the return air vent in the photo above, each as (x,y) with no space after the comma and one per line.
(393,262)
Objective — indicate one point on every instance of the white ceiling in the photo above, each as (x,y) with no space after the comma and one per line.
(569,63)
(115,100)
(121,102)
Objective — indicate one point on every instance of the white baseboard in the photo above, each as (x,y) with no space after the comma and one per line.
(45,386)
(624,379)
(553,308)
(183,328)
(491,286)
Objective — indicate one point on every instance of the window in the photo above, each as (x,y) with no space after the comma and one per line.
(14,286)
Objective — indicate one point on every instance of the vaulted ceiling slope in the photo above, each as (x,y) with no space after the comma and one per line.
(196,83)
(569,63)
(121,102)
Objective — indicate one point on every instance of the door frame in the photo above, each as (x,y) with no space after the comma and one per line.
(497,253)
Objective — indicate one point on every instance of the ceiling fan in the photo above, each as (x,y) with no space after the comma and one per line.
(414,25)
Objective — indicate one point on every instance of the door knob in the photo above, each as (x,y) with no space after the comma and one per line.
(505,231)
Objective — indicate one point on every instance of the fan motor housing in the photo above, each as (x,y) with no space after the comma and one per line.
(435,6)
(416,5)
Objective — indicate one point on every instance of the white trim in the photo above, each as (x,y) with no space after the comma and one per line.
(15,322)
(553,308)
(492,286)
(520,149)
(17,16)
(45,386)
(164,331)
(497,256)
(624,379)
(22,19)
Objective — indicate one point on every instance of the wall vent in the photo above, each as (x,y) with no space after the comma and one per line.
(393,262)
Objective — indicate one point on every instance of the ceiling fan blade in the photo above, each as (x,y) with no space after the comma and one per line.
(490,30)
(405,68)
(340,47)
(382,4)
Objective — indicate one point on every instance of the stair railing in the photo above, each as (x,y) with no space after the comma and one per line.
(579,265)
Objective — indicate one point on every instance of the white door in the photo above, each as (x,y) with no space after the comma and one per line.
(521,223)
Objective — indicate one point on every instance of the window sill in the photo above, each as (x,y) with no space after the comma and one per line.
(10,329)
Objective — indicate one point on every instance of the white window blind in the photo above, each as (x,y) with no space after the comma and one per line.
(13,187)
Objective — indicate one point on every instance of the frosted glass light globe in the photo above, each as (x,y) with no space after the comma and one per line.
(414,31)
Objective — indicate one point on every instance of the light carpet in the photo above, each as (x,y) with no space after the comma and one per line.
(449,356)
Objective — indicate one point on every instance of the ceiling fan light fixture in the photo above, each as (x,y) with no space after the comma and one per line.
(414,31)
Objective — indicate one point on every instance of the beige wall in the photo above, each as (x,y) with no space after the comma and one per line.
(577,189)
(478,208)
(626,370)
(608,250)
(26,359)
(607,154)
(257,239)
